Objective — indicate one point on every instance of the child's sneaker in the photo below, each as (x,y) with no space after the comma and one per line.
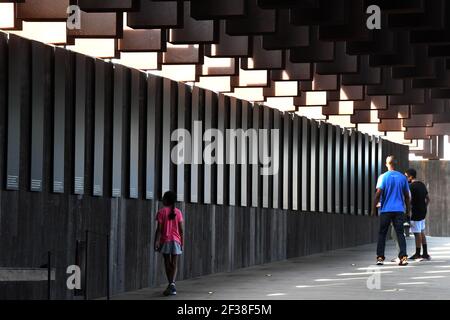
(380,261)
(426,257)
(173,289)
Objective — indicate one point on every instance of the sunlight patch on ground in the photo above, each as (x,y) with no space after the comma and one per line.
(377,270)
(341,279)
(388,267)
(319,285)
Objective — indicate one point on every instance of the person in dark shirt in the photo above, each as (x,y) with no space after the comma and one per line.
(419,204)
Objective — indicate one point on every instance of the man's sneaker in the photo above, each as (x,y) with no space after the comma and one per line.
(415,257)
(380,261)
(403,261)
(173,289)
(426,257)
(167,291)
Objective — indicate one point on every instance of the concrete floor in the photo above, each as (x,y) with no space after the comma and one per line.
(339,274)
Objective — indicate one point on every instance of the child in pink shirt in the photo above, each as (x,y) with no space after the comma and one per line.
(169,238)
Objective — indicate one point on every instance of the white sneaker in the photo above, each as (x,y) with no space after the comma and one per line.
(380,261)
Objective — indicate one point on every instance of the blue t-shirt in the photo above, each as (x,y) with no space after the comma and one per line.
(394,185)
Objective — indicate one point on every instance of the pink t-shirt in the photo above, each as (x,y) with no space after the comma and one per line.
(169,228)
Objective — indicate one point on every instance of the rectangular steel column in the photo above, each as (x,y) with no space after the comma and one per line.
(198,104)
(314,196)
(338,170)
(275,163)
(360,177)
(331,162)
(102,77)
(83,81)
(168,119)
(380,157)
(154,106)
(366,174)
(306,164)
(18,101)
(322,167)
(137,99)
(245,169)
(182,109)
(41,57)
(121,107)
(234,189)
(373,172)
(63,100)
(287,187)
(345,172)
(223,111)
(210,121)
(3,101)
(264,143)
(353,173)
(296,162)
(255,146)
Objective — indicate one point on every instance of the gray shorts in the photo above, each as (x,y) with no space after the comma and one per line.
(171,247)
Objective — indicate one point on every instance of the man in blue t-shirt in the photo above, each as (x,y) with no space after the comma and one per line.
(394,198)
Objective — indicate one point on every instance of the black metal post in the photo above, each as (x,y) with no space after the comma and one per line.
(86,266)
(107,268)
(49,276)
(77,292)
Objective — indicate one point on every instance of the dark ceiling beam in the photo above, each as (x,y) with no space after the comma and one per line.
(194,31)
(329,12)
(388,85)
(395,112)
(143,40)
(419,120)
(286,35)
(371,103)
(189,54)
(365,75)
(207,9)
(156,15)
(261,58)
(228,46)
(98,25)
(293,71)
(258,21)
(231,70)
(43,10)
(391,125)
(398,6)
(342,63)
(107,6)
(316,51)
(413,133)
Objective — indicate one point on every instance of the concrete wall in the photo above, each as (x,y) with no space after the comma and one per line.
(436,175)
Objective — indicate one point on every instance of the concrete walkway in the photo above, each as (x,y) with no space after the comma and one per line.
(339,274)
